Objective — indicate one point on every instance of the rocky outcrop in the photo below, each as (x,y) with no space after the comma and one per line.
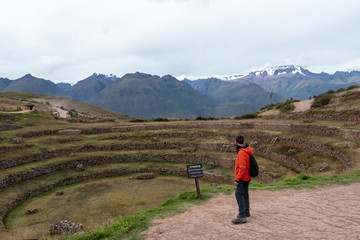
(65,226)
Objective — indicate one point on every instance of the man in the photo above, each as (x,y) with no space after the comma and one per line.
(243,178)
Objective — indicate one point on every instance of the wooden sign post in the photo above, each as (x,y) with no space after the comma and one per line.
(195,171)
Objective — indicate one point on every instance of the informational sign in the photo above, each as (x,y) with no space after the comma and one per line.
(195,171)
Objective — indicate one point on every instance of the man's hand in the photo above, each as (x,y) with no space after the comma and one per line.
(236,183)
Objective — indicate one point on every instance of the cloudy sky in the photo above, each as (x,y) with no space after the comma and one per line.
(68,40)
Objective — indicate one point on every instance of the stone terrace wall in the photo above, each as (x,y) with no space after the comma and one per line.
(302,128)
(286,161)
(326,117)
(8,127)
(15,148)
(305,144)
(98,160)
(90,148)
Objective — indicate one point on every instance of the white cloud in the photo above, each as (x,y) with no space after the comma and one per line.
(65,40)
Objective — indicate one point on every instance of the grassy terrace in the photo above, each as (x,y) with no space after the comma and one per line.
(118,206)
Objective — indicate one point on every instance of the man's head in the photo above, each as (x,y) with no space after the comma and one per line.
(239,139)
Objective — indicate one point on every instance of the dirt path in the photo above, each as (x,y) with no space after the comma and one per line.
(303,105)
(62,113)
(23,111)
(321,213)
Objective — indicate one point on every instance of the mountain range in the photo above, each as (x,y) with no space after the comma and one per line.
(150,96)
(297,82)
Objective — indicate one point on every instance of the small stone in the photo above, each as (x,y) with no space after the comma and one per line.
(210,165)
(159,231)
(292,151)
(17,140)
(72,155)
(59,192)
(145,176)
(274,140)
(188,149)
(43,149)
(254,144)
(80,167)
(350,145)
(213,185)
(31,211)
(323,167)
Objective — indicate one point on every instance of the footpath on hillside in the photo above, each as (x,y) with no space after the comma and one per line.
(303,106)
(331,212)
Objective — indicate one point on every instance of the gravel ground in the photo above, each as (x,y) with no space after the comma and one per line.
(321,213)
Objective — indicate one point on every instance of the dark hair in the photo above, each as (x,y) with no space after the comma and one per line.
(239,139)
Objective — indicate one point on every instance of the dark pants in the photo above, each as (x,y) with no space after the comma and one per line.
(242,198)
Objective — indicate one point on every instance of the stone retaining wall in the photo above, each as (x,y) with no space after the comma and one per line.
(91,148)
(15,148)
(304,144)
(284,160)
(8,127)
(98,160)
(302,128)
(327,117)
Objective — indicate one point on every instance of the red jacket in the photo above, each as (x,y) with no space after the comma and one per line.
(242,163)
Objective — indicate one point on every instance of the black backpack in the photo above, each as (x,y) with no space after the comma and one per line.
(254,168)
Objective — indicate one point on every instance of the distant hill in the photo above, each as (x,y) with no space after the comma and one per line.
(49,103)
(64,86)
(230,91)
(4,82)
(31,84)
(147,96)
(299,83)
(86,89)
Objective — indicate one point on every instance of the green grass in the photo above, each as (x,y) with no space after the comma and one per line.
(131,226)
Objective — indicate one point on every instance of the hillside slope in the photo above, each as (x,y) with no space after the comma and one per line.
(31,84)
(148,96)
(230,91)
(86,89)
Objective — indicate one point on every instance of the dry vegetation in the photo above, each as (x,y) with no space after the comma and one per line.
(99,202)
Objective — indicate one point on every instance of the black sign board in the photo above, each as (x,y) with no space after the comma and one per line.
(195,171)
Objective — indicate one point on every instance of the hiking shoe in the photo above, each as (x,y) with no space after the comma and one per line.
(248,215)
(239,220)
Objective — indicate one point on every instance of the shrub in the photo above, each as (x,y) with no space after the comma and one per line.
(73,113)
(352,87)
(351,96)
(322,100)
(247,116)
(268,107)
(331,91)
(285,107)
(202,118)
(138,120)
(159,119)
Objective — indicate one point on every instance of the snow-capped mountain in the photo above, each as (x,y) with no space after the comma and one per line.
(297,82)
